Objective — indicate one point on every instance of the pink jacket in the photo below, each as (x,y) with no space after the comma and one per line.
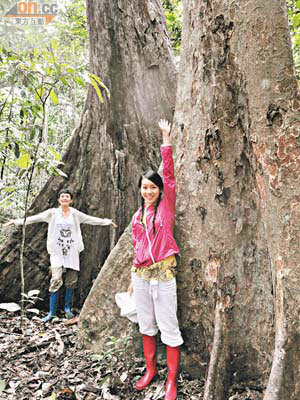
(152,247)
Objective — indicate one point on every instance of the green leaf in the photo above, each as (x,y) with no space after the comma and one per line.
(24,161)
(79,80)
(53,396)
(33,292)
(60,172)
(71,70)
(23,66)
(298,4)
(12,58)
(296,21)
(54,44)
(2,385)
(32,133)
(63,80)
(49,71)
(9,189)
(53,97)
(56,155)
(96,87)
(97,79)
(39,94)
(11,307)
(296,40)
(33,310)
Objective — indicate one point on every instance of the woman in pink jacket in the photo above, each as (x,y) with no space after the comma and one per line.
(153,272)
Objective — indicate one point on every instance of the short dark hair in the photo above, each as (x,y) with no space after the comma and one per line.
(154,177)
(65,191)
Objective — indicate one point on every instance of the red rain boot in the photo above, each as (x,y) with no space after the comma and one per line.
(149,343)
(173,357)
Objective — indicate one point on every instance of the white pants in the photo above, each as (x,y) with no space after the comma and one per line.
(156,306)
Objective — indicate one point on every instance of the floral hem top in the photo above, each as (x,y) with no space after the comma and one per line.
(163,270)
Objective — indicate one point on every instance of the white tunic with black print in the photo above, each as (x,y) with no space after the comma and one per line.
(66,254)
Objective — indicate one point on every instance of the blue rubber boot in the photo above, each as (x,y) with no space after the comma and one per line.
(53,301)
(68,303)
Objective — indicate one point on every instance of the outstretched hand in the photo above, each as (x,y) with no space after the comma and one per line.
(165,127)
(8,223)
(114,225)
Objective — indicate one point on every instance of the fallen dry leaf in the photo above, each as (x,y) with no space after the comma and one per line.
(47,362)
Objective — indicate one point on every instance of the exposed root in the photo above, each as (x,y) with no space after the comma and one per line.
(216,382)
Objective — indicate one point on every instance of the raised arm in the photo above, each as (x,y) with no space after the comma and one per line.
(168,164)
(165,127)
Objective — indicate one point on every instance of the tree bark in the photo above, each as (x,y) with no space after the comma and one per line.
(99,323)
(236,129)
(114,142)
(237,158)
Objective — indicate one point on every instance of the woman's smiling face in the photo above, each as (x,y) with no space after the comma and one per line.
(149,192)
(65,199)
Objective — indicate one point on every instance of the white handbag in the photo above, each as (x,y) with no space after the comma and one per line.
(127,305)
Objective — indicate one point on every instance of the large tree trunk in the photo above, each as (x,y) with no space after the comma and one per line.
(114,142)
(237,143)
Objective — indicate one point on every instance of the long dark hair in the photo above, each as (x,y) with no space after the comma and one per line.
(156,179)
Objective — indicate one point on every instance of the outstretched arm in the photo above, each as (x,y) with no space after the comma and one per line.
(8,223)
(42,217)
(90,220)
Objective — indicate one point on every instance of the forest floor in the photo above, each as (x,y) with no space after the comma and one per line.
(45,361)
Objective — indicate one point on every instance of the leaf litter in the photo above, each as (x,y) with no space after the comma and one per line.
(46,361)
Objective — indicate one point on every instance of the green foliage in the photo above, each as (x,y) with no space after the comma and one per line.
(174,11)
(294,22)
(29,78)
(11,307)
(43,82)
(96,82)
(29,299)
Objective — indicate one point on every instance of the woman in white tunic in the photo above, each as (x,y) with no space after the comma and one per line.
(64,243)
